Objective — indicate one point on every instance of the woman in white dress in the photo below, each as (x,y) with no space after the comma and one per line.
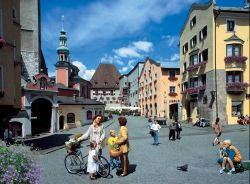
(96,132)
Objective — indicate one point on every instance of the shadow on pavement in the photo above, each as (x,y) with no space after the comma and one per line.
(132,168)
(48,142)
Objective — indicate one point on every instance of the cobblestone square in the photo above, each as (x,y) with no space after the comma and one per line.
(157,164)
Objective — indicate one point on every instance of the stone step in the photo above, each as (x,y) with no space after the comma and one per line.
(246,164)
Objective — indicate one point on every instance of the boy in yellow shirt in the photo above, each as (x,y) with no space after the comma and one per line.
(114,161)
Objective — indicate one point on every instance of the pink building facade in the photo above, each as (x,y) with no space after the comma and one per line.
(159,90)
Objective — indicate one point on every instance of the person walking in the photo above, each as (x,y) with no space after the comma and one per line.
(123,142)
(96,132)
(178,130)
(217,129)
(172,129)
(156,129)
(149,125)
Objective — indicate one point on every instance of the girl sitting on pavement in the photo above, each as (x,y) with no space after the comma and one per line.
(92,167)
(232,155)
(114,161)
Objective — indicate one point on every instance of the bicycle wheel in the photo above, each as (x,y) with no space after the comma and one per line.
(72,164)
(104,168)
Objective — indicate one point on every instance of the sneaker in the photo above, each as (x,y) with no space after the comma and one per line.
(221,171)
(231,172)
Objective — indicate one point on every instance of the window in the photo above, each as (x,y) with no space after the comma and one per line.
(230,25)
(172,89)
(203,79)
(71,118)
(193,42)
(204,55)
(194,82)
(234,50)
(193,60)
(89,115)
(184,86)
(172,74)
(234,76)
(113,98)
(184,67)
(185,48)
(96,82)
(237,108)
(193,22)
(105,83)
(107,98)
(203,33)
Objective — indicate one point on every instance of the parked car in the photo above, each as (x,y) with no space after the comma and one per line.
(202,122)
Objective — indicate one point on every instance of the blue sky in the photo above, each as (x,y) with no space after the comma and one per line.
(121,32)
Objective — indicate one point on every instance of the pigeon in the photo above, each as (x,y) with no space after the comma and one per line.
(183,168)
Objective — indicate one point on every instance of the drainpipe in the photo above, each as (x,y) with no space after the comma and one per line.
(217,13)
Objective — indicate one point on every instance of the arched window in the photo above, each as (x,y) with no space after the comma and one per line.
(89,115)
(70,118)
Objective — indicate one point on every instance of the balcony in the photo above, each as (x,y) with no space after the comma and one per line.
(235,61)
(193,91)
(172,94)
(172,78)
(196,66)
(236,87)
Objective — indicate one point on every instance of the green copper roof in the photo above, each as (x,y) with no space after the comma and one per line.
(63,48)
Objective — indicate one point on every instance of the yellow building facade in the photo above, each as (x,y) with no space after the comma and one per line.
(214,60)
(159,89)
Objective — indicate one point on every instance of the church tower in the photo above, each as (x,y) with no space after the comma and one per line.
(63,61)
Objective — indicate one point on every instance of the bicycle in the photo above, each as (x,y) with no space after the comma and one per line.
(74,162)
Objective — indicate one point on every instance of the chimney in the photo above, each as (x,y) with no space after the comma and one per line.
(74,97)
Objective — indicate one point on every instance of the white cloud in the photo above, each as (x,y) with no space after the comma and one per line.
(124,69)
(134,50)
(111,59)
(172,41)
(84,72)
(143,45)
(103,20)
(127,52)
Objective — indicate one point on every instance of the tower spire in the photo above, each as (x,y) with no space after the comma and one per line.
(62,19)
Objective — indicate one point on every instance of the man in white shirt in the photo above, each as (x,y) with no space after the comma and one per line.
(156,129)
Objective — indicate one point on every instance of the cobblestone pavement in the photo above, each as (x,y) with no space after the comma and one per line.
(157,164)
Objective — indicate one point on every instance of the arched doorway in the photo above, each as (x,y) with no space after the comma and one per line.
(40,116)
(173,111)
(61,122)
